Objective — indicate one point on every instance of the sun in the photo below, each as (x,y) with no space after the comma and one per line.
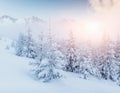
(88,30)
(93,27)
(93,30)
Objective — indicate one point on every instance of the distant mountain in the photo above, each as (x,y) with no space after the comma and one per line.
(7,17)
(34,19)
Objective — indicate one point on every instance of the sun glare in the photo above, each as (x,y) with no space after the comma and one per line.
(93,30)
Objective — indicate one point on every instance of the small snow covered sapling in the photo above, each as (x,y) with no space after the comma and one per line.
(46,71)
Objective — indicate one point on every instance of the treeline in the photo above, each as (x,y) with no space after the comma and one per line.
(50,55)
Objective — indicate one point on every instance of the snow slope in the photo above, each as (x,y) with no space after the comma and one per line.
(15,78)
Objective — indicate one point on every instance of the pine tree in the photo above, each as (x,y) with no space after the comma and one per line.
(86,62)
(106,58)
(21,45)
(117,66)
(83,64)
(45,65)
(105,62)
(40,61)
(52,57)
(96,62)
(41,47)
(30,45)
(71,56)
(26,45)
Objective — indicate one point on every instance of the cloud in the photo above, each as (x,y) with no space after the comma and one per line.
(104,6)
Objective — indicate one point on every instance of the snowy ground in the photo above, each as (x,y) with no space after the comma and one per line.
(15,78)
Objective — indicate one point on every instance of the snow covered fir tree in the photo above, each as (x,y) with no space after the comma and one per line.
(71,57)
(47,62)
(26,45)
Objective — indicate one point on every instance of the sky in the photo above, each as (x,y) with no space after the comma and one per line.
(43,8)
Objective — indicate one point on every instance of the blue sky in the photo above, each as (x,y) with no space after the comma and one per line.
(43,8)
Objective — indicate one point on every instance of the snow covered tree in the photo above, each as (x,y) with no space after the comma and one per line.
(41,47)
(26,45)
(71,57)
(106,59)
(117,66)
(104,64)
(45,65)
(20,45)
(82,65)
(96,58)
(52,57)
(45,71)
(30,45)
(86,61)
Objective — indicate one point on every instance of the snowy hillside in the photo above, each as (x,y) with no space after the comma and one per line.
(59,46)
(15,77)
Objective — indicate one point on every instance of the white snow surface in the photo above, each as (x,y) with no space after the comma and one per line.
(15,77)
